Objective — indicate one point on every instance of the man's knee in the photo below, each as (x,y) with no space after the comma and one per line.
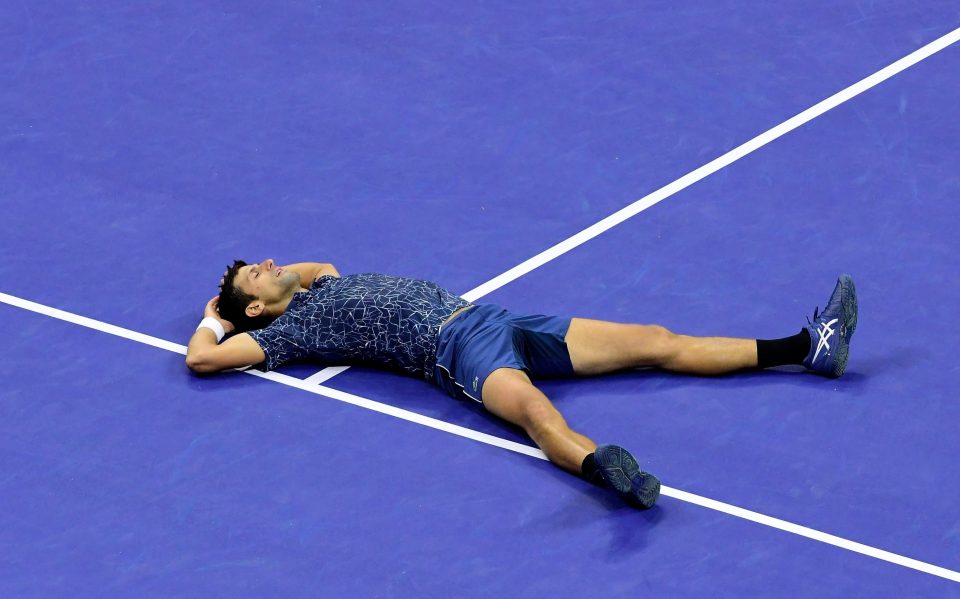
(662,342)
(655,345)
(537,412)
(511,395)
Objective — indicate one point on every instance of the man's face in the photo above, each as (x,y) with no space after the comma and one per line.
(267,281)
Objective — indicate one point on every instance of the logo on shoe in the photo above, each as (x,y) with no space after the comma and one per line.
(826,332)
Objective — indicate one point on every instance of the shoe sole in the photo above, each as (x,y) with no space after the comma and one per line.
(620,468)
(848,299)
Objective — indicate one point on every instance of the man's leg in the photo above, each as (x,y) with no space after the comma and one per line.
(597,347)
(509,394)
(823,346)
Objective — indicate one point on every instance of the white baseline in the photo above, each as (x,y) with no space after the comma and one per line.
(461,431)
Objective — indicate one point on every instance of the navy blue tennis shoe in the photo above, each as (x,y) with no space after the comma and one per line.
(620,470)
(831,330)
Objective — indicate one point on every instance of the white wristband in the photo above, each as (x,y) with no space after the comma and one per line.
(214,325)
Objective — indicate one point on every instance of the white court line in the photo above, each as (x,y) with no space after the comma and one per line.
(714,165)
(323,375)
(461,431)
(707,169)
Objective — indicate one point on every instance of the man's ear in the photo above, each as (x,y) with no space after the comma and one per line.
(255,309)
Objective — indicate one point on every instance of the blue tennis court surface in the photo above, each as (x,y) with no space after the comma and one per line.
(144,147)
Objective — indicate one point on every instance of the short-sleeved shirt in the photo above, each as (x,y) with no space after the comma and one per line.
(361,319)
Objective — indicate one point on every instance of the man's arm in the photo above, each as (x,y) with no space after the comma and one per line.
(204,355)
(310,271)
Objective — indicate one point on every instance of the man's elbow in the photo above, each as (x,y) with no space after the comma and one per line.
(196,363)
(327,269)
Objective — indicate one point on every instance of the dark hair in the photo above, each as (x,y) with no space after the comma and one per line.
(233,302)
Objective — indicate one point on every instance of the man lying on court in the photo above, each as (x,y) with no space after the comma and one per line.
(483,352)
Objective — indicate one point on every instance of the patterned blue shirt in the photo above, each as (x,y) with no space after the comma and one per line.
(361,319)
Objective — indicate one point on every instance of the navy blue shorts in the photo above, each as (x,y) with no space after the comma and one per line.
(486,337)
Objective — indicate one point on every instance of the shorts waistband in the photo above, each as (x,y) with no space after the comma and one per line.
(457,314)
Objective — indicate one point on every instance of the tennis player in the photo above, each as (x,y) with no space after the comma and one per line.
(482,352)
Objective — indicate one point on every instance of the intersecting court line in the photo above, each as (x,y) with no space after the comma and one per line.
(692,177)
(461,431)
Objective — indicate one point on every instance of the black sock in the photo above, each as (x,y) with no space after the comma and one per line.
(590,472)
(778,352)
